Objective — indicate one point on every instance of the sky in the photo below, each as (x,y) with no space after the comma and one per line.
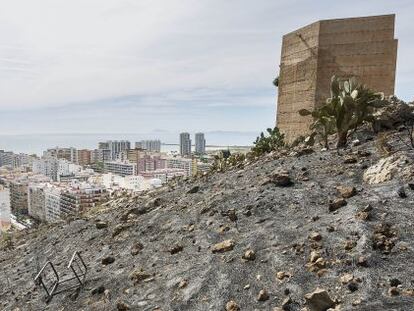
(131,66)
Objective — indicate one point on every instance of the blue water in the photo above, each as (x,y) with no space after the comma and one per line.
(37,143)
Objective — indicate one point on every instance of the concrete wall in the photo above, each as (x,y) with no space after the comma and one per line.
(362,47)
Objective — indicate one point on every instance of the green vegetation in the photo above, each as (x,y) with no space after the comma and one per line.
(268,143)
(350,105)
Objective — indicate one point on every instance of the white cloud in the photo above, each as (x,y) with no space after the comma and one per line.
(55,52)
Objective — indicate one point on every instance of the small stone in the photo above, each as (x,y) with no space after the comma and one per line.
(349,244)
(395,282)
(136,248)
(232,306)
(118,229)
(98,290)
(224,246)
(319,300)
(263,295)
(337,204)
(393,291)
(353,286)
(138,275)
(286,304)
(280,178)
(195,189)
(122,306)
(315,236)
(282,274)
(350,160)
(346,278)
(249,255)
(101,225)
(346,191)
(108,260)
(314,255)
(176,249)
(247,286)
(364,216)
(183,284)
(362,261)
(401,192)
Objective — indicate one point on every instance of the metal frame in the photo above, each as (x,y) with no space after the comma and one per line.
(76,265)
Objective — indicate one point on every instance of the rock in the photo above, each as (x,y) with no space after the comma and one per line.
(319,300)
(224,246)
(176,249)
(287,303)
(101,225)
(346,191)
(98,290)
(346,278)
(401,193)
(263,295)
(108,260)
(232,306)
(362,261)
(350,160)
(395,282)
(183,284)
(119,228)
(194,189)
(138,275)
(349,244)
(280,178)
(249,255)
(315,236)
(353,286)
(393,291)
(122,306)
(362,216)
(387,168)
(282,274)
(136,248)
(337,204)
(314,256)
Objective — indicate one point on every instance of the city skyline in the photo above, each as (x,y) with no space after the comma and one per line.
(158,65)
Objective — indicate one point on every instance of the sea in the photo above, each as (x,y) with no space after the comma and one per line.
(37,143)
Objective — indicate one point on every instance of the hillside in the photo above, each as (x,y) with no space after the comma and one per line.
(288,223)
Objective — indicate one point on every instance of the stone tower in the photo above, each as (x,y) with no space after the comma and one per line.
(363,47)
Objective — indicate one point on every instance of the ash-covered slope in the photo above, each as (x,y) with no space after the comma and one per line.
(281,241)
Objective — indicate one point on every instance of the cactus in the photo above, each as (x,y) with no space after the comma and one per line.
(269,143)
(349,106)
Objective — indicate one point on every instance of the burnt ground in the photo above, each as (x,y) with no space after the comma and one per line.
(166,238)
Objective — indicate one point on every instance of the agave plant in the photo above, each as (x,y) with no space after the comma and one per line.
(349,106)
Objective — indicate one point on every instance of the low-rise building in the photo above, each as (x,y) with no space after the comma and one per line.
(122,168)
(188,165)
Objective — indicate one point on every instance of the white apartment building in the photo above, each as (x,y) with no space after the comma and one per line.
(36,200)
(52,203)
(131,182)
(121,168)
(4,208)
(54,168)
(149,145)
(188,165)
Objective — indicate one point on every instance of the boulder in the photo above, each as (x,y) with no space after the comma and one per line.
(224,246)
(388,168)
(319,300)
